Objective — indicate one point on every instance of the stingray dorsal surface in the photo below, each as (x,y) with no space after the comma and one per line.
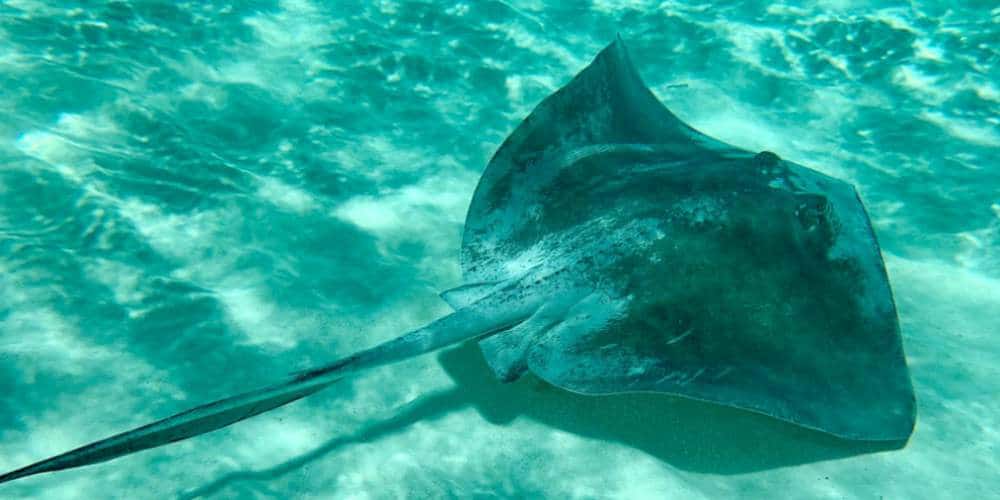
(710,272)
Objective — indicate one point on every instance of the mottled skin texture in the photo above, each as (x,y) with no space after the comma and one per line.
(712,272)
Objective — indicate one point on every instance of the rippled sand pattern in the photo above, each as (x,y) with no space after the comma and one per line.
(196,200)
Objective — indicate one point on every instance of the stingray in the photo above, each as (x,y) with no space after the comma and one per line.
(610,248)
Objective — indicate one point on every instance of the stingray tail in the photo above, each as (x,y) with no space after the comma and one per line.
(461,325)
(205,418)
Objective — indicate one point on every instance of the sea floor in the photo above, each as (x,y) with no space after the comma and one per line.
(196,200)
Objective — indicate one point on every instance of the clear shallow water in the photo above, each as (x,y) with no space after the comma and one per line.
(197,200)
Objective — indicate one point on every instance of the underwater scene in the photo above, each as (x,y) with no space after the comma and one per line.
(499,249)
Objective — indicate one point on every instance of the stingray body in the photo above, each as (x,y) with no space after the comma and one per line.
(611,248)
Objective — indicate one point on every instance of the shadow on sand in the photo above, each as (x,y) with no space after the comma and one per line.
(686,434)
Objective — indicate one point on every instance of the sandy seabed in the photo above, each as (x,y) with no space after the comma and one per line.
(197,200)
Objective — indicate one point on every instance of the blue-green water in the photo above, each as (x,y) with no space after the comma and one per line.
(196,200)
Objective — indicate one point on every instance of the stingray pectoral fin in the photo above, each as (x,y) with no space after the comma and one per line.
(463,324)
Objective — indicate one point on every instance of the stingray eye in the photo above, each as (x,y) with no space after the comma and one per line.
(766,159)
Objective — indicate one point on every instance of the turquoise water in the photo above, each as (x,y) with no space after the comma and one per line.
(196,200)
